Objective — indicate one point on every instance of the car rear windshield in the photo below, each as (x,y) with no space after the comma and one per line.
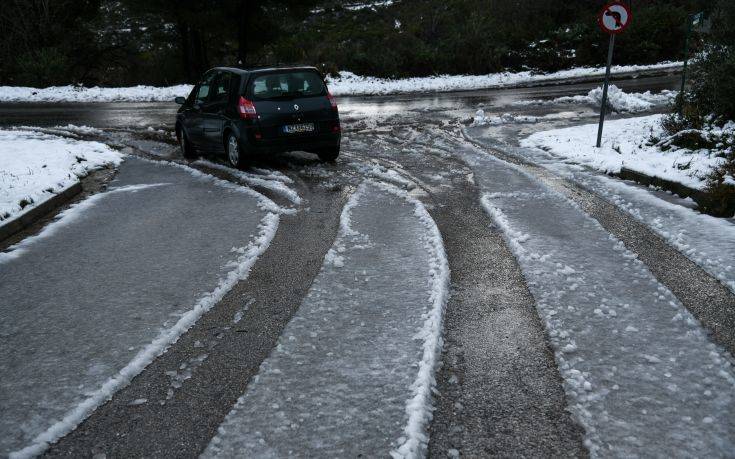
(287,85)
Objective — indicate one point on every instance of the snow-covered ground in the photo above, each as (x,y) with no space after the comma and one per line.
(640,372)
(35,166)
(346,84)
(627,144)
(353,372)
(73,93)
(617,99)
(350,84)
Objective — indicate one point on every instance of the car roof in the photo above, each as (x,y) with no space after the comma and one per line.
(264,69)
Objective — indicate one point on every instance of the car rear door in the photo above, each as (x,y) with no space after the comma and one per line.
(284,114)
(214,111)
(194,121)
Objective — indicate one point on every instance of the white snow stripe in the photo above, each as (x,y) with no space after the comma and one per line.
(256,180)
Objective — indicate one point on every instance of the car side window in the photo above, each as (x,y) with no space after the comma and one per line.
(222,87)
(204,88)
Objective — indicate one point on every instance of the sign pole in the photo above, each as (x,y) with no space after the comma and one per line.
(603,109)
(690,21)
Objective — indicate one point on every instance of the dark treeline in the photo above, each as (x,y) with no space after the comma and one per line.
(123,42)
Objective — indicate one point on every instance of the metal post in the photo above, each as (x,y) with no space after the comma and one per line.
(690,20)
(611,46)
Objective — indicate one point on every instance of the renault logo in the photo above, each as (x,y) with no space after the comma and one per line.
(295,107)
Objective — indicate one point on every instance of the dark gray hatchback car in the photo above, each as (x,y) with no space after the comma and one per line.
(239,113)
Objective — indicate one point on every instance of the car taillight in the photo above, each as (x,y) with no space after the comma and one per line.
(332,100)
(246,109)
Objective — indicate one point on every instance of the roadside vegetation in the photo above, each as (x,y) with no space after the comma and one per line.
(162,42)
(705,113)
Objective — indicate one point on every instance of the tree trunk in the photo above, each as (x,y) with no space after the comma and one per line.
(242,33)
(186,51)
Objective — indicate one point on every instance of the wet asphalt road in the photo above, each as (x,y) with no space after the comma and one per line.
(499,392)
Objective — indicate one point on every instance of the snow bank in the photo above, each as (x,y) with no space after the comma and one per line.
(95,94)
(350,84)
(347,83)
(626,144)
(37,166)
(617,99)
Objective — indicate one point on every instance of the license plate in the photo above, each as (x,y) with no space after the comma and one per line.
(298,128)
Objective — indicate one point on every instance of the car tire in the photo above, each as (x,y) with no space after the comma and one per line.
(187,150)
(328,154)
(235,155)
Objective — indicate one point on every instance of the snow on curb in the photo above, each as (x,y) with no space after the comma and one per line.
(419,408)
(36,166)
(346,84)
(242,266)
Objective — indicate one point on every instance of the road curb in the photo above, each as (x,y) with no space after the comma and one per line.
(706,201)
(32,216)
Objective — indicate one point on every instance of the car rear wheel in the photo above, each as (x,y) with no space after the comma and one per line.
(234,153)
(187,151)
(328,154)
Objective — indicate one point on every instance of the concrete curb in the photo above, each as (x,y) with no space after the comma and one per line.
(32,216)
(706,202)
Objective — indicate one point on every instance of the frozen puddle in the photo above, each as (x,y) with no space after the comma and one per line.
(102,291)
(640,373)
(352,372)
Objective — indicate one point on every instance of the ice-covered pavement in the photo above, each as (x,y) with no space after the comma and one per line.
(641,375)
(353,371)
(102,291)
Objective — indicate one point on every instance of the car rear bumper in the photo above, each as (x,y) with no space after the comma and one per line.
(309,143)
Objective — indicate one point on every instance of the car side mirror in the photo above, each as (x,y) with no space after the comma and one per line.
(180,100)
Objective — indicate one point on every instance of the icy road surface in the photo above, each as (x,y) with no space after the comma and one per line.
(641,375)
(99,293)
(353,370)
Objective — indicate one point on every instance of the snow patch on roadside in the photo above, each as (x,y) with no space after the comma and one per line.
(72,93)
(618,100)
(347,83)
(626,145)
(36,166)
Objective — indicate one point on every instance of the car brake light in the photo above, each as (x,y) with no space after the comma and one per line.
(246,108)
(332,100)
